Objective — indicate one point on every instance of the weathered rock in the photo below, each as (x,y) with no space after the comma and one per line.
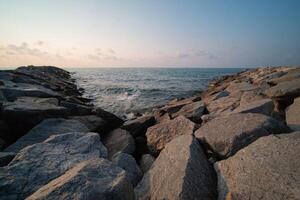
(221,94)
(192,111)
(241,86)
(45,129)
(92,122)
(293,115)
(161,116)
(223,105)
(250,96)
(128,163)
(264,106)
(119,140)
(269,168)
(77,109)
(226,135)
(287,89)
(180,172)
(6,157)
(139,125)
(289,76)
(112,119)
(146,162)
(40,163)
(92,179)
(159,135)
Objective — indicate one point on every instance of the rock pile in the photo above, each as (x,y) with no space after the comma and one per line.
(236,140)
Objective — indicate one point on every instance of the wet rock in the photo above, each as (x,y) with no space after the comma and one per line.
(112,119)
(293,115)
(269,168)
(119,140)
(128,163)
(159,135)
(45,129)
(146,162)
(92,122)
(40,163)
(227,135)
(192,111)
(180,172)
(264,106)
(139,125)
(6,157)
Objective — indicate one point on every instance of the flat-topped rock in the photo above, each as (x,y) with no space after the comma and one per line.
(268,169)
(284,89)
(227,135)
(181,171)
(159,135)
(264,106)
(293,115)
(240,86)
(192,111)
(45,129)
(139,126)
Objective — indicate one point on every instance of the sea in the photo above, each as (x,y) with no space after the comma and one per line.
(127,91)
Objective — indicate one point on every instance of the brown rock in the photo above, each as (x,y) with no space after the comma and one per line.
(293,115)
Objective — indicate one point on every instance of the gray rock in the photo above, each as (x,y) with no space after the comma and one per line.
(293,115)
(92,122)
(284,89)
(77,109)
(6,157)
(128,163)
(192,111)
(264,106)
(40,163)
(269,168)
(226,135)
(159,135)
(92,179)
(45,129)
(139,125)
(119,140)
(240,86)
(181,171)
(112,119)
(146,162)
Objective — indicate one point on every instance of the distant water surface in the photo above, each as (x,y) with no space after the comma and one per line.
(123,91)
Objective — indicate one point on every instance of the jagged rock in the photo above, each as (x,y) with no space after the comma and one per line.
(264,106)
(269,168)
(92,122)
(40,163)
(192,111)
(223,105)
(161,116)
(119,140)
(146,162)
(289,76)
(250,96)
(159,135)
(112,119)
(226,135)
(92,179)
(287,89)
(45,129)
(6,157)
(128,163)
(77,109)
(139,125)
(181,171)
(293,115)
(221,94)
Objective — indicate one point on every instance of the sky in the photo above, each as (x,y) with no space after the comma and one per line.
(149,33)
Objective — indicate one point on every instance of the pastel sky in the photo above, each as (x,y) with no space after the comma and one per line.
(149,33)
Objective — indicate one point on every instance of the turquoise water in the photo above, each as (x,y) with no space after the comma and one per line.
(125,90)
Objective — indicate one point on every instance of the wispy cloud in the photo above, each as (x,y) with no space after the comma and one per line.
(22,49)
(103,54)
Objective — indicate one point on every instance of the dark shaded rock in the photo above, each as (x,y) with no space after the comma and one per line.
(227,135)
(77,109)
(45,129)
(112,119)
(264,106)
(92,122)
(6,157)
(146,162)
(268,168)
(293,115)
(192,111)
(2,144)
(119,140)
(128,163)
(221,94)
(181,171)
(176,105)
(139,125)
(141,146)
(5,134)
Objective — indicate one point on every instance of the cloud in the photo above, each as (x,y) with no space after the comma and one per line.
(103,54)
(23,49)
(196,53)
(41,43)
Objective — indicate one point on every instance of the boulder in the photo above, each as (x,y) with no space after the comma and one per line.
(289,76)
(181,171)
(92,122)
(264,106)
(110,118)
(40,163)
(159,135)
(221,94)
(250,96)
(119,140)
(223,105)
(287,89)
(6,157)
(240,86)
(77,109)
(128,163)
(268,168)
(45,129)
(161,116)
(88,180)
(192,111)
(226,135)
(139,126)
(293,115)
(146,162)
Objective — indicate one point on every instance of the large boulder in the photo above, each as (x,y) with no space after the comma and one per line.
(293,115)
(113,120)
(128,163)
(226,135)
(40,163)
(264,106)
(119,140)
(192,111)
(159,135)
(287,89)
(268,169)
(139,126)
(146,162)
(92,122)
(180,172)
(45,129)
(88,180)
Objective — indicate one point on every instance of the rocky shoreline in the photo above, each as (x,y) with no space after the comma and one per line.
(239,139)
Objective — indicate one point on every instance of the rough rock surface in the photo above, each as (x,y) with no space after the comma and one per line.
(40,163)
(93,123)
(146,162)
(226,135)
(192,111)
(159,135)
(180,172)
(293,115)
(92,179)
(110,118)
(284,89)
(139,126)
(264,106)
(6,157)
(269,168)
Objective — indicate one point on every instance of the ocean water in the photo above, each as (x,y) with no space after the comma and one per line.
(124,91)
